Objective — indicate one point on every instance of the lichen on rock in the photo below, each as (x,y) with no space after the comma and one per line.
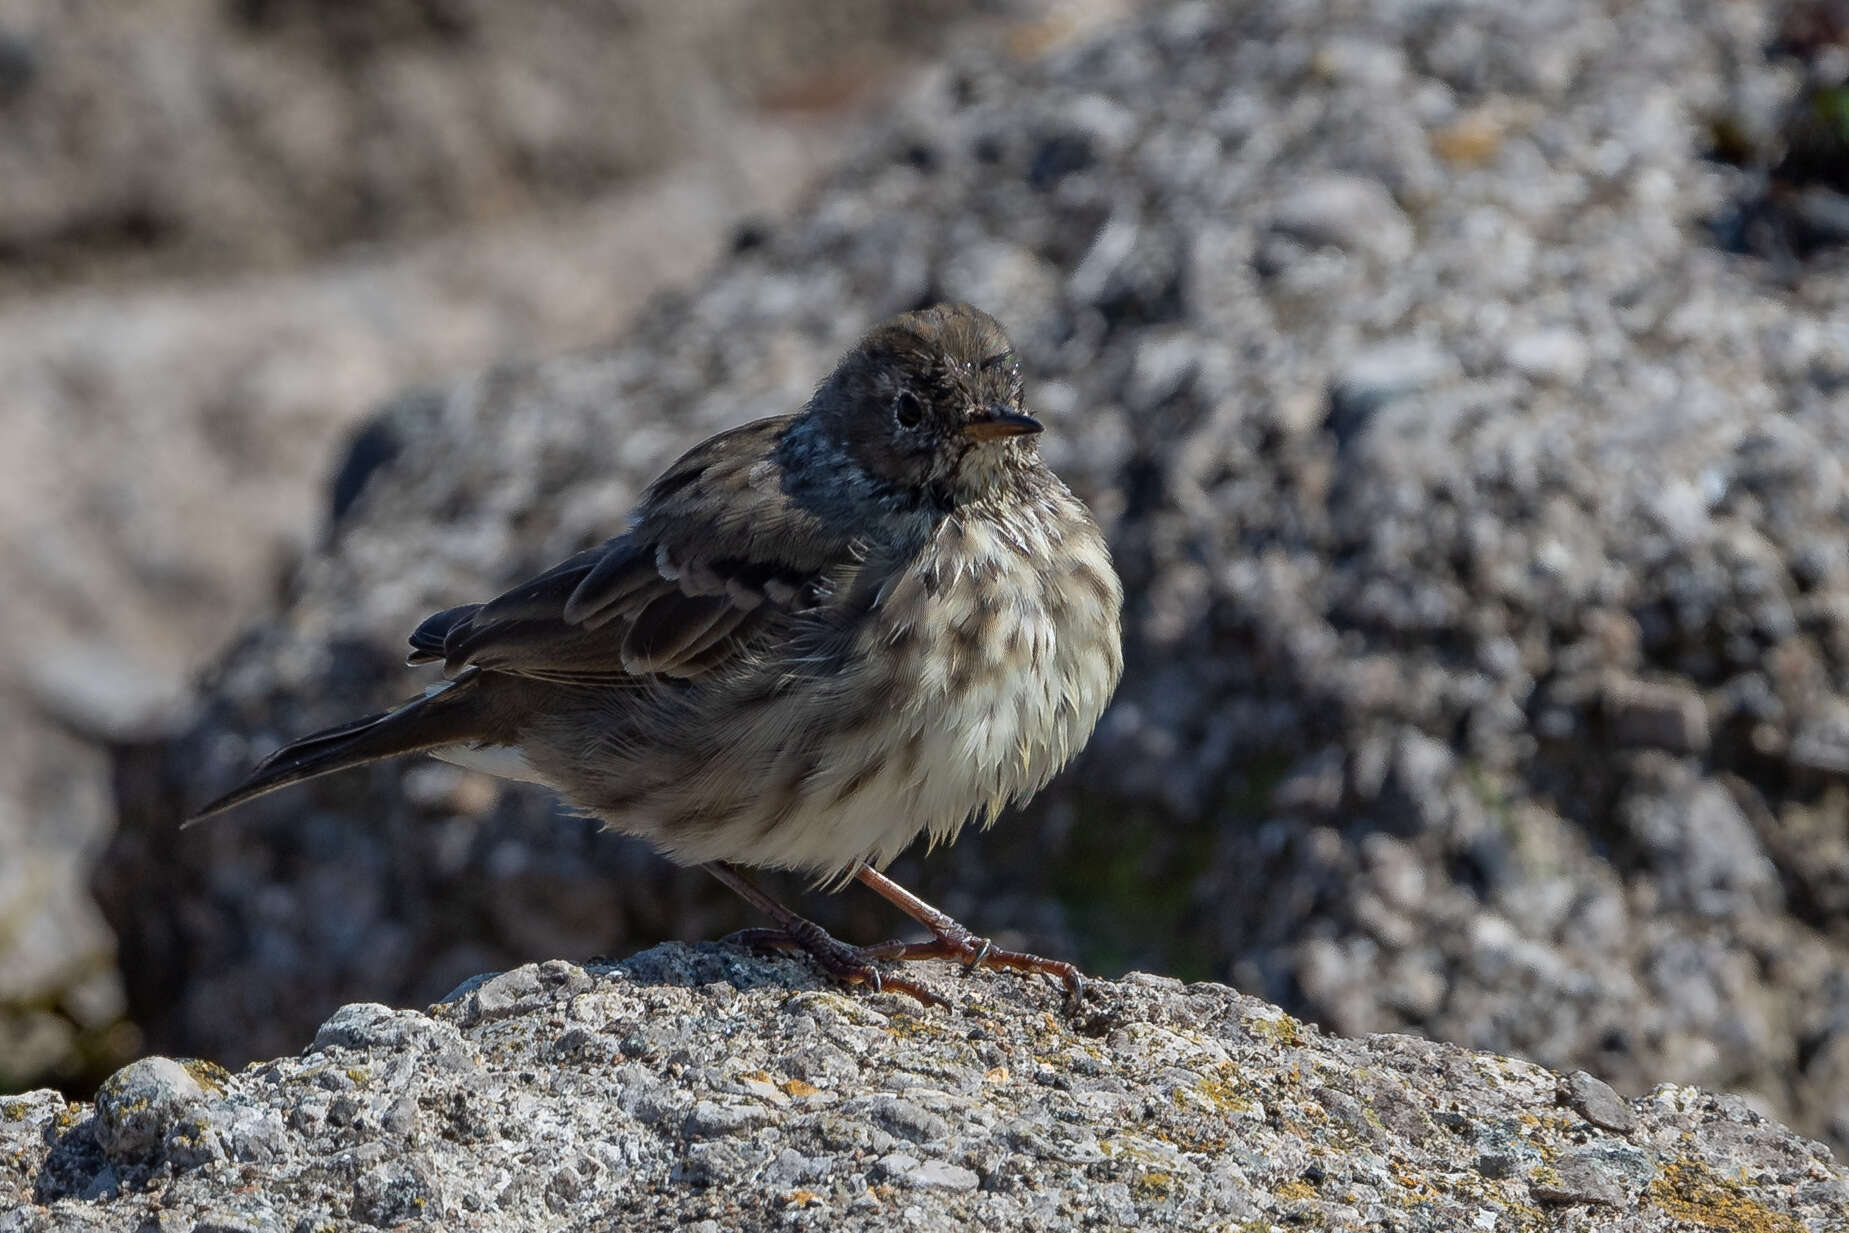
(693,1084)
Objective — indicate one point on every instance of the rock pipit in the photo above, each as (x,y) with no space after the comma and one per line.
(823,635)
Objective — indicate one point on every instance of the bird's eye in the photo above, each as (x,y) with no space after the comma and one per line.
(906,409)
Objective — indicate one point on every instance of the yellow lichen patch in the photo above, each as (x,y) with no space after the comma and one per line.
(1142,1155)
(193,1132)
(1181,1140)
(13,1110)
(1471,141)
(827,1007)
(907,1026)
(1282,1029)
(1690,1191)
(1296,1189)
(208,1075)
(360,1075)
(799,1090)
(1149,1187)
(1222,1089)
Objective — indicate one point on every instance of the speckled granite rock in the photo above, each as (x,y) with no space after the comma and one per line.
(1488,637)
(699,1087)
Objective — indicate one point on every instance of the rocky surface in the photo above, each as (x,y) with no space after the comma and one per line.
(228,231)
(700,1088)
(1482,522)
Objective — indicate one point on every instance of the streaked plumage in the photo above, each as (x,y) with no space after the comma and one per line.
(824,634)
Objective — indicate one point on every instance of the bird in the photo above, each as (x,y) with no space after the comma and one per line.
(823,635)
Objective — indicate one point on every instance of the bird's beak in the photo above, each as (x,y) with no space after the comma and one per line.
(994,423)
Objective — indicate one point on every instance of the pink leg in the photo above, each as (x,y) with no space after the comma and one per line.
(951,940)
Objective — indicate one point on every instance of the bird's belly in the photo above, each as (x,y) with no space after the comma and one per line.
(975,677)
(926,767)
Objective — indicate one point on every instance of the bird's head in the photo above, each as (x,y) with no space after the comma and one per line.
(930,402)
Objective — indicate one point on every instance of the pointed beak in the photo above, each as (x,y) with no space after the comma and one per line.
(994,423)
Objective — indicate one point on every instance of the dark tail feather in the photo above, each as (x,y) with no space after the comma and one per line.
(444,718)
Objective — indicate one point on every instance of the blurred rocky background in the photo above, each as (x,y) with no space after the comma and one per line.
(229,229)
(1465,390)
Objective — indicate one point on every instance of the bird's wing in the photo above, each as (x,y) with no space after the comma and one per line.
(717,548)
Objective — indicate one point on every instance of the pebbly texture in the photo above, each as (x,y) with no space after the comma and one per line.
(697,1087)
(1482,522)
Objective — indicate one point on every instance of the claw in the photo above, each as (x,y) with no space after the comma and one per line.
(850,965)
(951,940)
(914,990)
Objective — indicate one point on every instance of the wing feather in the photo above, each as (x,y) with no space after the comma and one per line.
(718,549)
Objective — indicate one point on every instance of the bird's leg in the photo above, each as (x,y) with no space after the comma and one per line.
(851,965)
(951,940)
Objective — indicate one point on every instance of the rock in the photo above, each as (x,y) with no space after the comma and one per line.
(1605,1177)
(1657,715)
(1694,833)
(905,1119)
(514,991)
(938,1175)
(98,689)
(1549,355)
(710,1120)
(138,1105)
(1594,1100)
(1415,784)
(1821,742)
(60,995)
(1376,376)
(1346,212)
(1164,1105)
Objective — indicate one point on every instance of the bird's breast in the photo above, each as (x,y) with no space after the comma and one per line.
(1002,638)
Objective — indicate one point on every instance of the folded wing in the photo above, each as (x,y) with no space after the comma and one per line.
(718,549)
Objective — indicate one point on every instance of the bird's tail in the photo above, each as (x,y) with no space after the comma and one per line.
(451,714)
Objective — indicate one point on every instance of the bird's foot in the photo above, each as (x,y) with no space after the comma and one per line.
(959,945)
(849,965)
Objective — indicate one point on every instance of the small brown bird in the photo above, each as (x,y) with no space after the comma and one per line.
(823,635)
